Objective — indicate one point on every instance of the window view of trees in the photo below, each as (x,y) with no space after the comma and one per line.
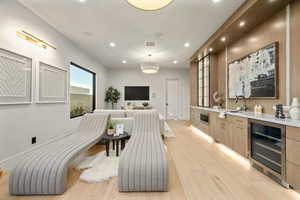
(82,90)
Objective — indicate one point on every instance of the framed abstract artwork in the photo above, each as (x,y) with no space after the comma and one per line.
(15,78)
(255,75)
(51,84)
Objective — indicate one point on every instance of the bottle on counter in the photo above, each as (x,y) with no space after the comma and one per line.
(255,109)
(260,109)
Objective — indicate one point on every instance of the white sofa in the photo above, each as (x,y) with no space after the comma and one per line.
(126,117)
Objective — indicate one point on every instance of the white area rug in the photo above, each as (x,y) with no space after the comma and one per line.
(99,167)
(168,131)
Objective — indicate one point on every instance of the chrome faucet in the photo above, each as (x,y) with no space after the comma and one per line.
(244,107)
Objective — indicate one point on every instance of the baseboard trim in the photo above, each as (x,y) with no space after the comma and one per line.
(15,156)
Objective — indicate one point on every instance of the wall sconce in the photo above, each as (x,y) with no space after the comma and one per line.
(33,39)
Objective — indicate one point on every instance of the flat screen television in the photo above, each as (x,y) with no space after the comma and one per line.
(137,93)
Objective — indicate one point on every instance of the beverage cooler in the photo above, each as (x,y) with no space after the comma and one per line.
(267,148)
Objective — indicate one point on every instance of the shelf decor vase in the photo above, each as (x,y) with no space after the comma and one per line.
(295,109)
(111,131)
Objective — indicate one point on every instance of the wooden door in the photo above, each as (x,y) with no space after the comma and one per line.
(172,99)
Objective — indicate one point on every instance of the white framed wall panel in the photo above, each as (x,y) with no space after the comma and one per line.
(51,84)
(15,78)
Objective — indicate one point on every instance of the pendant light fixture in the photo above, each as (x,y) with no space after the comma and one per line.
(149,67)
(149,4)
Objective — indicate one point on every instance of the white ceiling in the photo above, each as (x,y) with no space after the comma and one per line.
(94,24)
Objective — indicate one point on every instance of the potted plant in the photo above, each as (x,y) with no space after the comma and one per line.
(112,96)
(110,127)
(145,104)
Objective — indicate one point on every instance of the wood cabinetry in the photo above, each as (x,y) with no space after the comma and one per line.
(222,129)
(217,127)
(213,121)
(231,131)
(237,135)
(293,157)
(195,120)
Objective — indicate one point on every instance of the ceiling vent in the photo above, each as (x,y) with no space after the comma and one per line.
(149,43)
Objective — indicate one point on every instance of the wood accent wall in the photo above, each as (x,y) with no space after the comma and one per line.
(273,30)
(295,49)
(254,12)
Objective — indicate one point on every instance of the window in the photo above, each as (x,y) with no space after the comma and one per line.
(82,90)
(203,81)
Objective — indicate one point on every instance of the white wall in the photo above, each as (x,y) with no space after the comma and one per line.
(18,123)
(119,78)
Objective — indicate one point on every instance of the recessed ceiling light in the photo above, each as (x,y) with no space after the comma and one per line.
(81,1)
(175,61)
(211,49)
(216,1)
(186,44)
(223,39)
(112,44)
(272,1)
(242,23)
(124,61)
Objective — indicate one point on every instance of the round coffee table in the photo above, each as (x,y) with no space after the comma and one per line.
(115,140)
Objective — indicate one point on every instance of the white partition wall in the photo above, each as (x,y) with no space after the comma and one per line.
(120,77)
(46,122)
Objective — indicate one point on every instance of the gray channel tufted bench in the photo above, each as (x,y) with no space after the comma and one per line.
(143,164)
(44,171)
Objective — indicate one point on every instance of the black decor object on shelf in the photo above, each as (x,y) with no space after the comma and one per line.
(279,111)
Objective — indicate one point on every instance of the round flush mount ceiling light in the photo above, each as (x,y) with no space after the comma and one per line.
(149,4)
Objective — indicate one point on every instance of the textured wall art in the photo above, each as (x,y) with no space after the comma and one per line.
(52,84)
(254,76)
(15,78)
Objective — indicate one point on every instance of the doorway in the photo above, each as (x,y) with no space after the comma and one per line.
(172,99)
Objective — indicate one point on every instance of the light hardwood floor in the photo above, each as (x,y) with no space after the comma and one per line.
(199,170)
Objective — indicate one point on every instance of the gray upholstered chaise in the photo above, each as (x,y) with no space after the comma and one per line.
(44,171)
(143,164)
